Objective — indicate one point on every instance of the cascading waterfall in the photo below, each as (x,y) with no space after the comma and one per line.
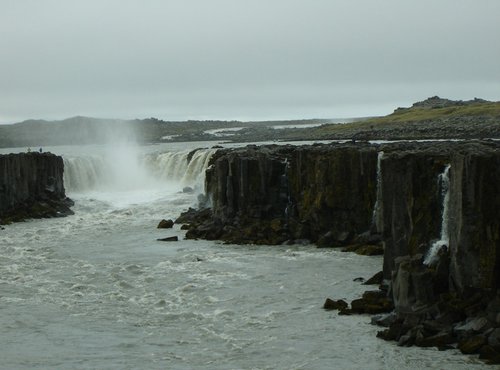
(128,170)
(444,186)
(187,167)
(377,211)
(195,172)
(84,173)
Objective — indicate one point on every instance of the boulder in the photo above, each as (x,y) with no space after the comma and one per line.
(331,304)
(490,354)
(187,189)
(165,224)
(375,279)
(169,239)
(472,344)
(372,302)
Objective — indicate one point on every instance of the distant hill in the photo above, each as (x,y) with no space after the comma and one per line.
(86,130)
(433,118)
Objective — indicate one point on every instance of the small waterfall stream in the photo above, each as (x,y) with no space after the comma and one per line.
(377,210)
(444,186)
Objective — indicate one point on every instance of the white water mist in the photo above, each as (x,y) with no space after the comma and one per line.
(113,166)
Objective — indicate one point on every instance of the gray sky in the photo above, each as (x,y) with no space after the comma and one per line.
(242,59)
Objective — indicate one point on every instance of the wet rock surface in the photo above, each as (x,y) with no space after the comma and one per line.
(31,186)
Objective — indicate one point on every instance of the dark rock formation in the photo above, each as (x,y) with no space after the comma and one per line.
(165,224)
(475,226)
(435,102)
(332,192)
(410,201)
(375,279)
(31,186)
(269,195)
(169,239)
(331,304)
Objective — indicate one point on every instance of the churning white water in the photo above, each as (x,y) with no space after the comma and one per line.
(97,291)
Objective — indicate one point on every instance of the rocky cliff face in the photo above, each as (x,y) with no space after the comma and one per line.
(332,192)
(441,246)
(475,222)
(31,186)
(434,204)
(269,195)
(410,202)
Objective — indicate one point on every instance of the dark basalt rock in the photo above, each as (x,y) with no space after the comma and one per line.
(375,279)
(365,249)
(165,224)
(331,304)
(372,302)
(472,345)
(169,239)
(31,186)
(187,189)
(273,194)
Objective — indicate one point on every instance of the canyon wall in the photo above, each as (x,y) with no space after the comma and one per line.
(475,220)
(432,206)
(276,194)
(31,186)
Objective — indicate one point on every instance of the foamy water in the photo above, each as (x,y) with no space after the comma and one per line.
(97,291)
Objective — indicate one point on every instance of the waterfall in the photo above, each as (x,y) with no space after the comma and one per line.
(444,186)
(84,173)
(377,211)
(187,167)
(285,190)
(129,170)
(195,171)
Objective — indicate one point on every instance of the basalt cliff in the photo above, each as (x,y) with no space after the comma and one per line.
(430,208)
(31,186)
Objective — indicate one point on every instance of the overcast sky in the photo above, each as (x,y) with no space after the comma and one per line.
(242,59)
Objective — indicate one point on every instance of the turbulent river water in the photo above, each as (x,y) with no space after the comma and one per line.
(97,291)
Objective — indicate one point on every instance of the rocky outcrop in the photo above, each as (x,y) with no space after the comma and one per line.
(437,102)
(31,186)
(433,205)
